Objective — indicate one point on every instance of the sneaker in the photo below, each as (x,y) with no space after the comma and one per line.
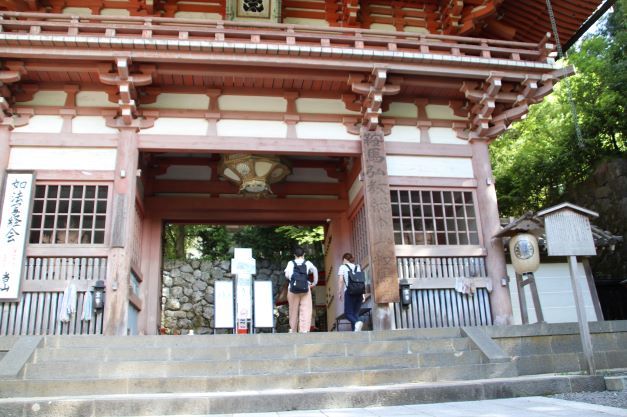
(358,326)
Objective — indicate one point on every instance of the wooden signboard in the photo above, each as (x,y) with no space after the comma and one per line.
(379,219)
(13,232)
(568,233)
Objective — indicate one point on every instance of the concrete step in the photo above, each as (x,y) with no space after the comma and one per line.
(186,384)
(220,352)
(202,403)
(169,368)
(262,339)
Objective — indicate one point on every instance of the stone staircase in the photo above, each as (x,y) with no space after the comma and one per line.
(98,376)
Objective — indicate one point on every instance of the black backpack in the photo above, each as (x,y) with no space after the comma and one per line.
(356,282)
(299,283)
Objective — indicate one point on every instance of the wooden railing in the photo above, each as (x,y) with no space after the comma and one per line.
(434,300)
(45,279)
(127,32)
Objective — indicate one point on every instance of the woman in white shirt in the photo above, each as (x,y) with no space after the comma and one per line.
(352,303)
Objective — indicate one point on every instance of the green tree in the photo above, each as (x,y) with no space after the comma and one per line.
(539,158)
(214,242)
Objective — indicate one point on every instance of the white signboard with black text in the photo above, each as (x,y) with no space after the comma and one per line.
(264,306)
(568,233)
(13,230)
(223,304)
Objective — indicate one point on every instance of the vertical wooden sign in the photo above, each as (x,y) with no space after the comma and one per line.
(13,231)
(379,217)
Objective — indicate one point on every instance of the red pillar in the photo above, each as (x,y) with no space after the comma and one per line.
(500,301)
(5,149)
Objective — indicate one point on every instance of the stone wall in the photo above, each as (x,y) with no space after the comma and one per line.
(187,294)
(606,193)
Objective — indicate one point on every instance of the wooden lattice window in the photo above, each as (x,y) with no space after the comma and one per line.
(434,217)
(69,214)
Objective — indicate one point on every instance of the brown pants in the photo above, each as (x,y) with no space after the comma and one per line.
(300,311)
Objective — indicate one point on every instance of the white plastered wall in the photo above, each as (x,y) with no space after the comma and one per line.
(323,130)
(91,124)
(49,158)
(42,124)
(404,134)
(177,126)
(429,166)
(556,294)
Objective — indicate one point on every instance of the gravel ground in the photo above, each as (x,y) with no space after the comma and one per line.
(616,399)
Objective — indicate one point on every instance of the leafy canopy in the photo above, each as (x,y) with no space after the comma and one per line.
(540,157)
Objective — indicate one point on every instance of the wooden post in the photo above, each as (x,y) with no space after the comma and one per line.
(152,269)
(529,280)
(379,224)
(122,219)
(584,329)
(522,299)
(593,288)
(500,301)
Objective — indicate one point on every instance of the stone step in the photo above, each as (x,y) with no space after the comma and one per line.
(125,369)
(261,339)
(186,384)
(212,352)
(203,403)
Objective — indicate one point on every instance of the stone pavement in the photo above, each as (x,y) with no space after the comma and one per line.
(511,407)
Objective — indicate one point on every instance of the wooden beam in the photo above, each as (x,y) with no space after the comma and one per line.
(210,144)
(191,204)
(216,187)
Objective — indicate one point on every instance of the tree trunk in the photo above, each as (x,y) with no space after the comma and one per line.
(180,241)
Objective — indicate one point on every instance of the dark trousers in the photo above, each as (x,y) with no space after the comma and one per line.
(352,305)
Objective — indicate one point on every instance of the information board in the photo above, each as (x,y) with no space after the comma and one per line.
(223,305)
(264,305)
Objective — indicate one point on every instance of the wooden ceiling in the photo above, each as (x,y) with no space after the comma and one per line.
(518,20)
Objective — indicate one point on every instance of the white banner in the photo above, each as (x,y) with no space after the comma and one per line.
(13,229)
(223,304)
(264,304)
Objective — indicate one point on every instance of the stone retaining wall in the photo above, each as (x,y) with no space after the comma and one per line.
(187,294)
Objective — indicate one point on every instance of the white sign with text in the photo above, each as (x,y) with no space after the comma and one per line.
(13,230)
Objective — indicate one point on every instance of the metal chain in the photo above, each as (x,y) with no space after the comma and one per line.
(569,92)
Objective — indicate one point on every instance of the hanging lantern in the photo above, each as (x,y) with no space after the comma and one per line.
(253,173)
(525,253)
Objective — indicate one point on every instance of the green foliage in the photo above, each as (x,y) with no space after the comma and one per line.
(265,242)
(214,242)
(540,157)
(303,235)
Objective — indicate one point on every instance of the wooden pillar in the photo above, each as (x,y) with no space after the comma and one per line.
(500,300)
(5,149)
(151,268)
(122,219)
(339,231)
(379,225)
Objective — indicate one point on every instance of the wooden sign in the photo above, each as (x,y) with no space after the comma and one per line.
(379,218)
(13,232)
(568,233)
